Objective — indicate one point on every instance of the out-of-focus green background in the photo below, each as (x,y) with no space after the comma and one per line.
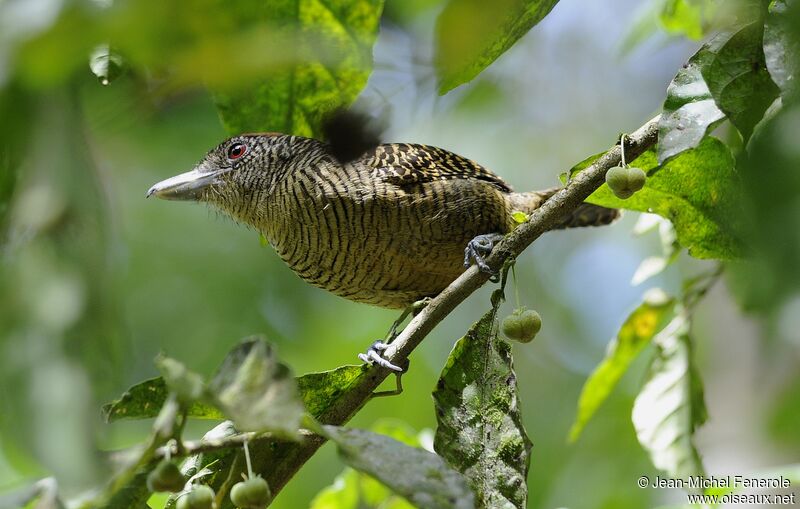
(111,278)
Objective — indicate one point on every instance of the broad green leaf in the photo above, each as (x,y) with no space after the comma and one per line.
(423,478)
(698,191)
(781,47)
(689,111)
(143,401)
(670,405)
(471,34)
(636,332)
(321,390)
(256,391)
(317,390)
(736,73)
(295,99)
(187,385)
(353,490)
(480,430)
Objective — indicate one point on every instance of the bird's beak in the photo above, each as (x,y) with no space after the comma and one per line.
(186,186)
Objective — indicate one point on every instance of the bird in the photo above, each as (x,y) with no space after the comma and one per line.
(390,225)
(396,224)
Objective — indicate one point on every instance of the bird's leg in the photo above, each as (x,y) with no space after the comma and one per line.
(398,387)
(373,353)
(479,248)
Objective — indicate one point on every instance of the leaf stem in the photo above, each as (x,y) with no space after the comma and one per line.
(622,149)
(247,460)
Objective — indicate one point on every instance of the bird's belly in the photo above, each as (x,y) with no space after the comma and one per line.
(388,251)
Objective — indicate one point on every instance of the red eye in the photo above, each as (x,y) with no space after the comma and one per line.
(237,150)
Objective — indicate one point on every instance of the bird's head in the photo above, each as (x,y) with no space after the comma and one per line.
(231,172)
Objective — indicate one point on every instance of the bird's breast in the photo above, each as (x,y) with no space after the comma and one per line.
(363,239)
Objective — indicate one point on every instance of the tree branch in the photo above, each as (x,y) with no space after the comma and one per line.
(192,447)
(277,461)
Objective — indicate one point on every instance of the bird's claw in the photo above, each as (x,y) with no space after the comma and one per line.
(478,249)
(373,356)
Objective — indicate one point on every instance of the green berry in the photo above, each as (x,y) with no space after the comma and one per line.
(166,477)
(200,497)
(522,325)
(623,182)
(251,494)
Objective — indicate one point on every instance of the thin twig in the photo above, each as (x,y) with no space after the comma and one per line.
(192,447)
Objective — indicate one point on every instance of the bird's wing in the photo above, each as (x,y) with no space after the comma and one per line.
(407,164)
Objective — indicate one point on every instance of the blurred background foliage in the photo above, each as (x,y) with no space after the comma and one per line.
(95,280)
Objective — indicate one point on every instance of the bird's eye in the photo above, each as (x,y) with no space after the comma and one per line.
(236,151)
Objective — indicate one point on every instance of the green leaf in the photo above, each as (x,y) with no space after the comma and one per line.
(143,401)
(421,477)
(353,490)
(256,391)
(689,111)
(296,98)
(670,405)
(636,332)
(470,35)
(698,191)
(735,71)
(187,385)
(318,391)
(781,47)
(480,429)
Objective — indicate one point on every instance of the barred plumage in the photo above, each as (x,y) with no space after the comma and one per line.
(387,229)
(404,163)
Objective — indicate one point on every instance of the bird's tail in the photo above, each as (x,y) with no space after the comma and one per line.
(585,215)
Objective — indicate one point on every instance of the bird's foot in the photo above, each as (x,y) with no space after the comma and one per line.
(374,353)
(478,249)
